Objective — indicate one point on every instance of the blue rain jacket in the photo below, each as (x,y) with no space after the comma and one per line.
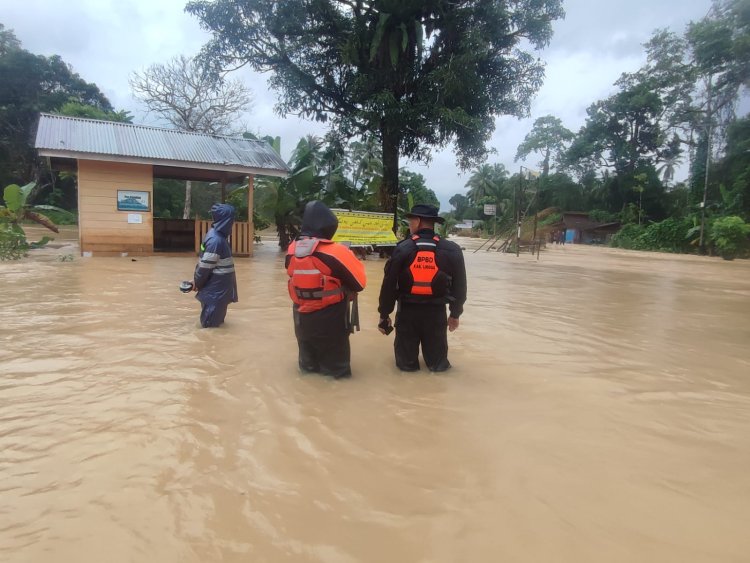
(214,275)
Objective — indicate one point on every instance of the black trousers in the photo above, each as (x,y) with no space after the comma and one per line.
(323,341)
(425,325)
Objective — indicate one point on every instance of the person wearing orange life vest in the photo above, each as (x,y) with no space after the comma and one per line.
(425,273)
(323,275)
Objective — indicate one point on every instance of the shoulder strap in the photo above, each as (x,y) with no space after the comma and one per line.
(305,247)
(425,243)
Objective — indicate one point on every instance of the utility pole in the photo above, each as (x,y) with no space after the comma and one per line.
(701,242)
(518,210)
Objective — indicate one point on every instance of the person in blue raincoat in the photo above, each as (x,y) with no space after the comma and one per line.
(214,278)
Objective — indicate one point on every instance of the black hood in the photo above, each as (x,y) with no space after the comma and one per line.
(319,221)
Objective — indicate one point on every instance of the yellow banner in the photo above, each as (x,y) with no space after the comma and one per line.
(364,228)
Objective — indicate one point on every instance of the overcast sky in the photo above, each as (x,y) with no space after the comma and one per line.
(106,40)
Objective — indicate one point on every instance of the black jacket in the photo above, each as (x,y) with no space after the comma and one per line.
(397,279)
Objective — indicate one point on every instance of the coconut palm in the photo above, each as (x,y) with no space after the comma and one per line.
(489,184)
(671,159)
(485,181)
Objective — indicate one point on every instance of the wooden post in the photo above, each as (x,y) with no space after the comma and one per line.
(251,226)
(223,190)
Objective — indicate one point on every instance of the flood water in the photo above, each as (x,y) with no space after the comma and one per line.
(598,410)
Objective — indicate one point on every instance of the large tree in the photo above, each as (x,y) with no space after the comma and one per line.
(31,84)
(190,98)
(548,137)
(417,73)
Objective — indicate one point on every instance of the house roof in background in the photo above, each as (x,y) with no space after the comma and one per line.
(75,137)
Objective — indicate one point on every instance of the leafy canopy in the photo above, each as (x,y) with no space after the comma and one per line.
(416,73)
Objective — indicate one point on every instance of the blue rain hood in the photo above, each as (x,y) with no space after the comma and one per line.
(223,216)
(318,221)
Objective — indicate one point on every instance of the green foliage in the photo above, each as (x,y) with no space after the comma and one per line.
(169,198)
(16,209)
(58,216)
(15,197)
(551,219)
(13,245)
(460,204)
(78,109)
(281,201)
(729,236)
(627,237)
(489,184)
(417,74)
(445,228)
(622,132)
(670,235)
(30,84)
(353,174)
(549,138)
(238,198)
(414,184)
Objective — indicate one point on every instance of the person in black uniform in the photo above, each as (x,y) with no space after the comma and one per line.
(424,274)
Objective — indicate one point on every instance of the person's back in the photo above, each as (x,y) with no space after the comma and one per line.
(424,274)
(323,276)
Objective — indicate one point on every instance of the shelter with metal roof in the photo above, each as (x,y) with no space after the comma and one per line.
(116,164)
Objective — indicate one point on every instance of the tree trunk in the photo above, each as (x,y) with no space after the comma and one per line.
(389,191)
(284,240)
(188,192)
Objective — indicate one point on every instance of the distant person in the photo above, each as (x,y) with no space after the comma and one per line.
(424,274)
(562,237)
(214,277)
(324,277)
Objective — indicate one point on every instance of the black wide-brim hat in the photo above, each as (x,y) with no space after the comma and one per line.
(424,211)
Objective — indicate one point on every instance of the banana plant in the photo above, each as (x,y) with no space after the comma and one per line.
(16,210)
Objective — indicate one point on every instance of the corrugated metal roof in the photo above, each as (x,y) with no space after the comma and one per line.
(78,135)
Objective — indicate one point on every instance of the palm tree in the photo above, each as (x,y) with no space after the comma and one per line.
(353,175)
(485,181)
(671,158)
(489,184)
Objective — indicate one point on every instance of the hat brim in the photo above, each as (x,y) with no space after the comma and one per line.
(435,218)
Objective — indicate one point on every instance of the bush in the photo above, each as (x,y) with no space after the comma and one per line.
(729,236)
(627,237)
(669,235)
(13,245)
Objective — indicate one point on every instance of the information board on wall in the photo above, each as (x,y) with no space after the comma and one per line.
(364,228)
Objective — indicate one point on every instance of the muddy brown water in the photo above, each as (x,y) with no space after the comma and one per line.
(598,410)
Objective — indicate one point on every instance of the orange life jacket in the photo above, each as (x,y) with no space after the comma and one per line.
(424,267)
(311,285)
